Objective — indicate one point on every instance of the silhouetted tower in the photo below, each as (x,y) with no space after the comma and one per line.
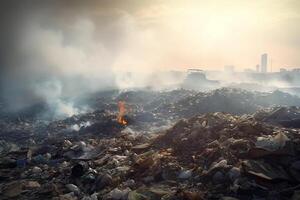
(264,63)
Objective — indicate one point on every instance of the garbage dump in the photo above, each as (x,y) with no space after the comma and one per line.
(183,103)
(230,100)
(284,116)
(209,155)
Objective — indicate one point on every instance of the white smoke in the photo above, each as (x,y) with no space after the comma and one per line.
(82,58)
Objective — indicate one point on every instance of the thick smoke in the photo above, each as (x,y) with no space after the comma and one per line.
(55,64)
(62,52)
(55,51)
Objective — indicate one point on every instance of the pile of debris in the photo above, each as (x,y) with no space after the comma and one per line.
(148,106)
(181,103)
(23,131)
(210,156)
(284,116)
(229,100)
(236,156)
(174,145)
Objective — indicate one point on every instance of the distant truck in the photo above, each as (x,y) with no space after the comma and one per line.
(196,80)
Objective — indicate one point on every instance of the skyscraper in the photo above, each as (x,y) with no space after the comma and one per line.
(264,63)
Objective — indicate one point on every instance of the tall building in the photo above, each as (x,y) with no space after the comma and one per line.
(264,63)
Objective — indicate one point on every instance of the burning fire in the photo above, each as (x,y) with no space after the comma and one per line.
(122,111)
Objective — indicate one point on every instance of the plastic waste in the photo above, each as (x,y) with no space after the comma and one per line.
(272,143)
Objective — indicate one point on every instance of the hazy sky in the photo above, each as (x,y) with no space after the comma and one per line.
(163,33)
(52,48)
(215,33)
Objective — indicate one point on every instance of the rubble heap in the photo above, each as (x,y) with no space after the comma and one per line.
(210,156)
(236,156)
(229,100)
(156,106)
(284,116)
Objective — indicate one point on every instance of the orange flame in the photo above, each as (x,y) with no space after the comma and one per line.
(122,111)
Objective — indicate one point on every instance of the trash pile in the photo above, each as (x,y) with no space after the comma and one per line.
(148,106)
(173,146)
(23,131)
(229,100)
(284,116)
(158,108)
(210,156)
(234,156)
(181,103)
